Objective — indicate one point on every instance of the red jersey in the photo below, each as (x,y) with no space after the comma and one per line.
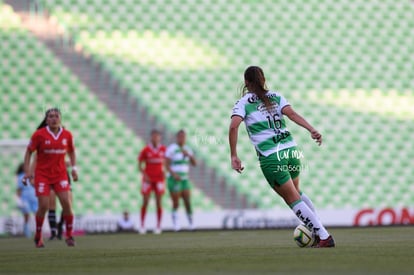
(154,161)
(51,151)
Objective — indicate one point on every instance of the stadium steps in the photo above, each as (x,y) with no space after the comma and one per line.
(126,107)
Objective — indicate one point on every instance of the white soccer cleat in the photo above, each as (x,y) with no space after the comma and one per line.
(177,227)
(157,231)
(191,227)
(142,231)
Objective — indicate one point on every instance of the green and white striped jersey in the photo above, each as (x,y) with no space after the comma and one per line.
(267,129)
(178,163)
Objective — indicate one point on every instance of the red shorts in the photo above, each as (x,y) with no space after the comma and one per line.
(157,186)
(43,185)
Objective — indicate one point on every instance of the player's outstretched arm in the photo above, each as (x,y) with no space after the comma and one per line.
(233,136)
(298,119)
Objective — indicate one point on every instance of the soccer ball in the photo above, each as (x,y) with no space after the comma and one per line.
(302,236)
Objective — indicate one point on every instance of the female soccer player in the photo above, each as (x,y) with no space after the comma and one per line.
(178,159)
(151,164)
(262,112)
(51,215)
(27,201)
(51,142)
(61,221)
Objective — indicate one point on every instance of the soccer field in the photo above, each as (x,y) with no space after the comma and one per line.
(358,251)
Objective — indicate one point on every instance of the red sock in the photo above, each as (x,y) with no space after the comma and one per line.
(69,225)
(143,213)
(159,216)
(39,225)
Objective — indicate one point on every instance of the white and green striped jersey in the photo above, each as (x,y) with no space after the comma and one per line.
(267,129)
(178,162)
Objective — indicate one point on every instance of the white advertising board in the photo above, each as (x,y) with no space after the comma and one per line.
(232,220)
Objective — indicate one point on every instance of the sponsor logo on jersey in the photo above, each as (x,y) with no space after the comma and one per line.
(255,98)
(262,107)
(155,160)
(55,151)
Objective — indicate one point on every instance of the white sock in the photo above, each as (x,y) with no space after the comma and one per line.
(174,217)
(190,219)
(308,201)
(305,214)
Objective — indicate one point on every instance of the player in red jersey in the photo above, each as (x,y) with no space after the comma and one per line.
(151,164)
(51,142)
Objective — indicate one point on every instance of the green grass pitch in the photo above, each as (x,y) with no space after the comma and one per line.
(359,251)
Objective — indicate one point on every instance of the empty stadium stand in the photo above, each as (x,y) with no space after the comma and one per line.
(338,62)
(346,65)
(34,80)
